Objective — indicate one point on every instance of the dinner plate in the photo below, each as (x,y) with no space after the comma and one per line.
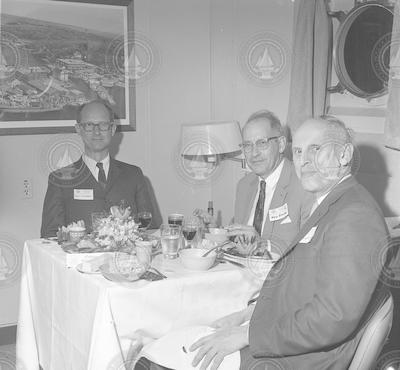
(110,274)
(87,268)
(260,266)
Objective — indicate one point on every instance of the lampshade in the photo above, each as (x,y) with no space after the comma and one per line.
(210,138)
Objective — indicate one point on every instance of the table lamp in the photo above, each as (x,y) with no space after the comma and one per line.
(212,142)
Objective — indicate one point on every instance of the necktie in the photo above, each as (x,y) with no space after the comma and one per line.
(259,213)
(102,175)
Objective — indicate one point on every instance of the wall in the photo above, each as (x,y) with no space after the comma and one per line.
(198,79)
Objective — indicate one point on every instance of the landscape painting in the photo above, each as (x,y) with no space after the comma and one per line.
(57,55)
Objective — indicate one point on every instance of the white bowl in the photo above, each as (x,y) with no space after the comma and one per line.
(216,230)
(217,235)
(192,259)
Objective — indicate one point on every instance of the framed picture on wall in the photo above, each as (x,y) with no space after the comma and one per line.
(57,55)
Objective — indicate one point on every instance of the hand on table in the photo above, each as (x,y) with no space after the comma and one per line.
(214,347)
(234,319)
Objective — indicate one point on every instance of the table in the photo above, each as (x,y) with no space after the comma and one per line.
(70,320)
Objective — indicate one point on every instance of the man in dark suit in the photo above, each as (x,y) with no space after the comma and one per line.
(95,182)
(271,197)
(313,304)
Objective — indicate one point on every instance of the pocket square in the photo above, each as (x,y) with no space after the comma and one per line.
(307,238)
(286,220)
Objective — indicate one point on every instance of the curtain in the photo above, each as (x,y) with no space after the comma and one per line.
(392,122)
(311,55)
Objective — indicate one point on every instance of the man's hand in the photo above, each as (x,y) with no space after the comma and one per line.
(214,347)
(234,319)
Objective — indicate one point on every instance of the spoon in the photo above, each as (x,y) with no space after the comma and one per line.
(212,249)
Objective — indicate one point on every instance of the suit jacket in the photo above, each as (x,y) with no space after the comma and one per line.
(288,191)
(311,305)
(61,207)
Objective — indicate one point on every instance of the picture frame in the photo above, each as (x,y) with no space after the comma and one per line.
(56,55)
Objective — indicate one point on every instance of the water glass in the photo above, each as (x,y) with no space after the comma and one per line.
(175,219)
(190,228)
(96,219)
(144,219)
(171,236)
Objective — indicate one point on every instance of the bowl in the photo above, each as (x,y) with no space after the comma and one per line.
(192,259)
(76,233)
(216,235)
(218,231)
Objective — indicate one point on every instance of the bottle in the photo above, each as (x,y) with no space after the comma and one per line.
(211,220)
(210,208)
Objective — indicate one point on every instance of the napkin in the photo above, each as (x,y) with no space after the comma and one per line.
(168,350)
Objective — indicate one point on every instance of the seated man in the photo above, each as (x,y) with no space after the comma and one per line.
(95,182)
(310,311)
(271,197)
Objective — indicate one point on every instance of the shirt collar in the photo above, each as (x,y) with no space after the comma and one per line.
(273,178)
(322,197)
(91,163)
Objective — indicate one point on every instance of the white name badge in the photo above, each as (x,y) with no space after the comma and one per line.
(83,194)
(307,238)
(278,213)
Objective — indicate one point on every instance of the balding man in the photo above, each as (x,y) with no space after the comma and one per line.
(314,302)
(95,182)
(270,198)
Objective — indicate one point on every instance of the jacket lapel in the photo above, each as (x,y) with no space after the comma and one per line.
(113,174)
(82,172)
(250,198)
(279,196)
(320,212)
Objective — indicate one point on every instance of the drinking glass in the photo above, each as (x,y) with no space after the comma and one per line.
(170,240)
(144,219)
(96,219)
(189,229)
(175,219)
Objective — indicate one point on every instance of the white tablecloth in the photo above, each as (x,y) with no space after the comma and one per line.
(70,320)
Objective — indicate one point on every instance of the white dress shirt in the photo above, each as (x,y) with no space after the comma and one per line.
(92,165)
(270,185)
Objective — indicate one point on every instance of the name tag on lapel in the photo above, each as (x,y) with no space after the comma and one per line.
(83,194)
(278,213)
(307,238)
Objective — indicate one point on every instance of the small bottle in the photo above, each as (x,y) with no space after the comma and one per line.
(210,208)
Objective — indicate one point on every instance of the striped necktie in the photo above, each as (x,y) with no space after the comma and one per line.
(259,213)
(102,175)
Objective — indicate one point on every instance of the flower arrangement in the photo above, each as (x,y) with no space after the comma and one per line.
(118,230)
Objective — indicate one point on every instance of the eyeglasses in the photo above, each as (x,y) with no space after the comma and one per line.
(102,126)
(261,144)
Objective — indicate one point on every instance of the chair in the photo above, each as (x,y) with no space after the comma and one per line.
(373,339)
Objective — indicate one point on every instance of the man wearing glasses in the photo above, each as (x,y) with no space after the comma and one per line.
(95,182)
(271,197)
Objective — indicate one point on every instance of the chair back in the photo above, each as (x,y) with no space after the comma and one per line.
(373,339)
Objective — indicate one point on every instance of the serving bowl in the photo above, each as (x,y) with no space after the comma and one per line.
(216,235)
(192,259)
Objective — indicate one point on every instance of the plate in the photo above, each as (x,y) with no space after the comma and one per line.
(87,268)
(110,274)
(243,259)
(260,266)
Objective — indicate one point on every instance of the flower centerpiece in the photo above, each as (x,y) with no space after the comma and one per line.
(118,231)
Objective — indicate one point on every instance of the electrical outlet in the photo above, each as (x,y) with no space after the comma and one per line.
(26,188)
